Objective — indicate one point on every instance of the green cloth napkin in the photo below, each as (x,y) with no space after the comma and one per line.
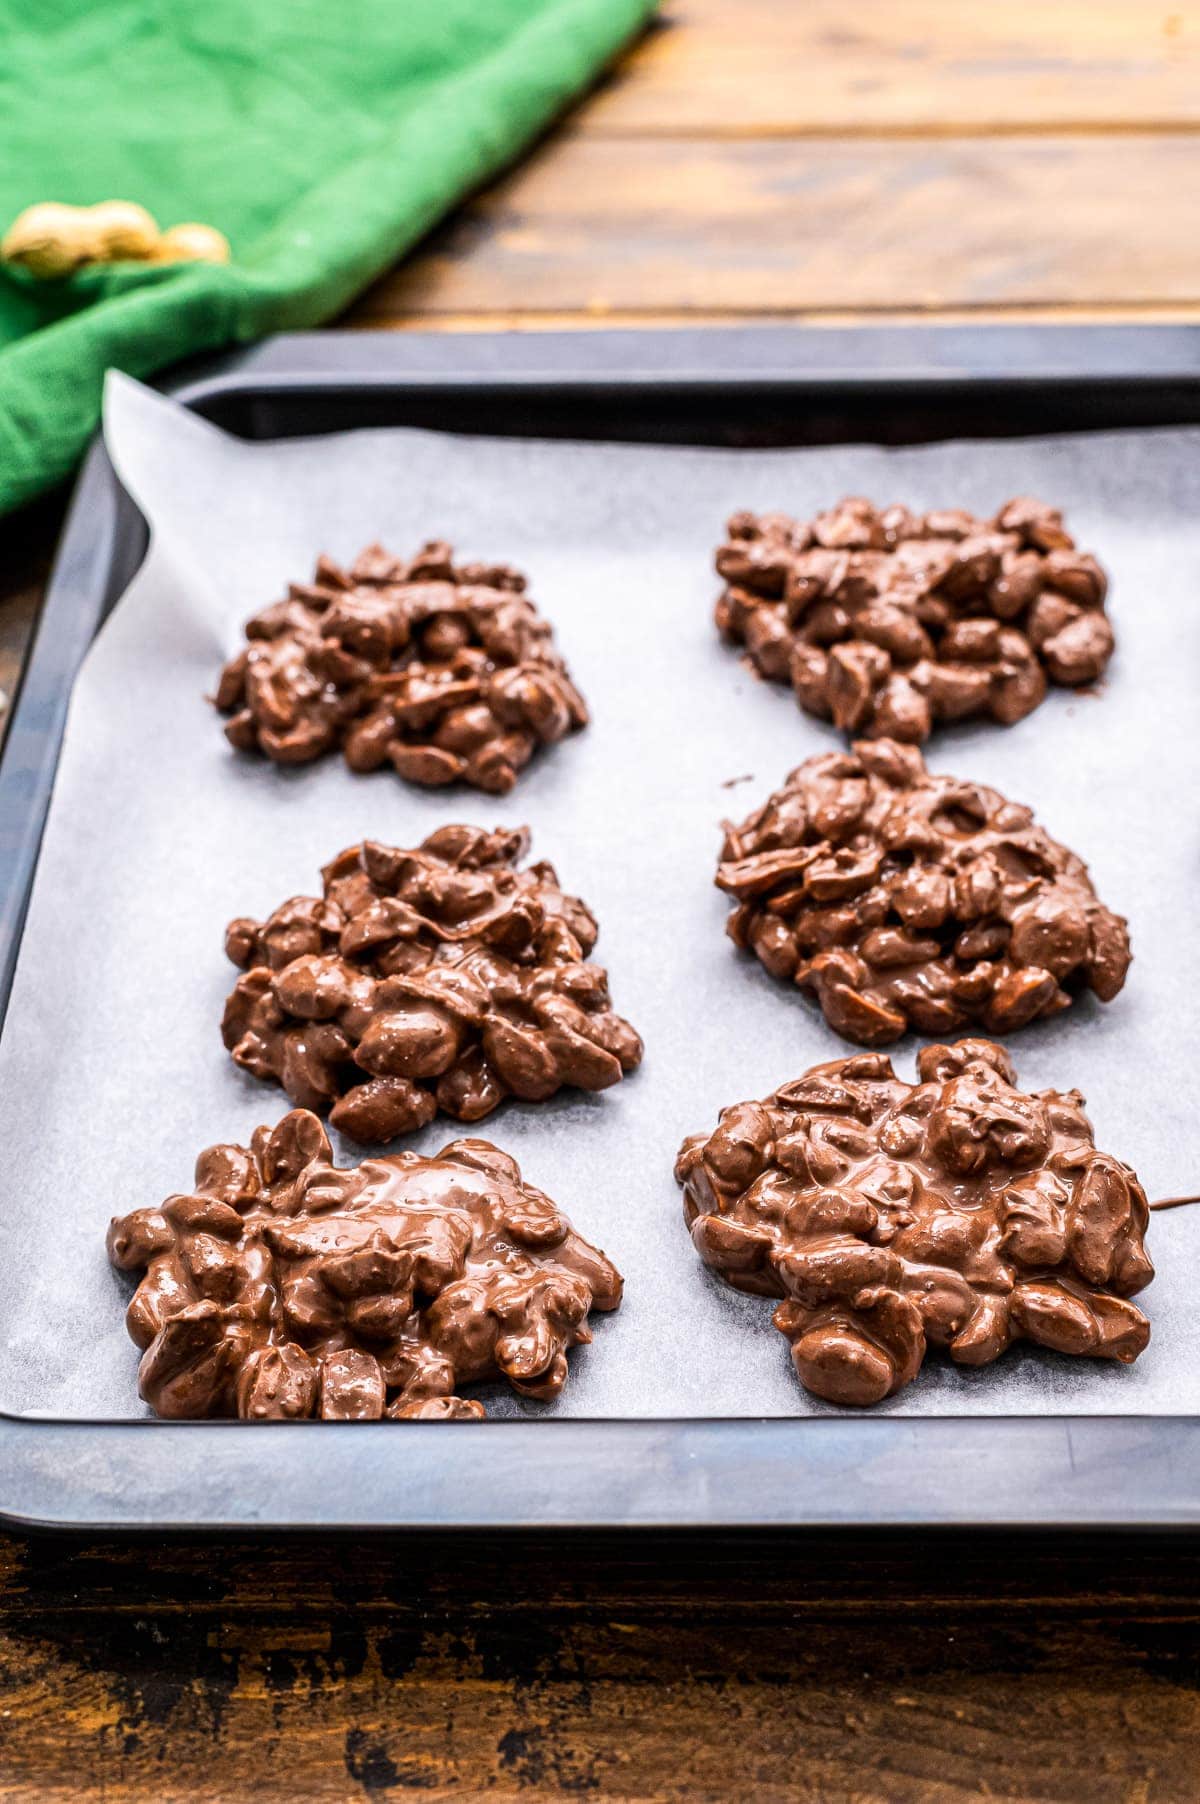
(323,137)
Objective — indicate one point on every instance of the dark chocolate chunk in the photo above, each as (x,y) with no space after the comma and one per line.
(886,622)
(903,899)
(286,1286)
(957,1212)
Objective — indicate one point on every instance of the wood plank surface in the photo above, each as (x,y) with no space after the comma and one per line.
(594,225)
(895,1672)
(769,67)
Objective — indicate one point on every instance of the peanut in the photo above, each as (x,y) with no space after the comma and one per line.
(192,243)
(52,240)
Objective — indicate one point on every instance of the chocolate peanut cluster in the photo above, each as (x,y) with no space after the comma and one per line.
(903,899)
(886,621)
(437,978)
(286,1286)
(957,1212)
(446,671)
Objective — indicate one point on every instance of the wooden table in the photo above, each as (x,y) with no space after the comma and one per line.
(798,159)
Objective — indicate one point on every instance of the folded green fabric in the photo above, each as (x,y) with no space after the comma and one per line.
(323,137)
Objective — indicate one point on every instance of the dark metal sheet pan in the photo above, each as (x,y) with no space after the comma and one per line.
(754,386)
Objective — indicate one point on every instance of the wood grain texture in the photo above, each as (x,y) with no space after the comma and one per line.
(833,1673)
(513,320)
(794,226)
(772,67)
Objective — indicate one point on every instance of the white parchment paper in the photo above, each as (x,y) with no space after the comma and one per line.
(112,1073)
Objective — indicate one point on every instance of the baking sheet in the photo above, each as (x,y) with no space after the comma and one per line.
(112,1074)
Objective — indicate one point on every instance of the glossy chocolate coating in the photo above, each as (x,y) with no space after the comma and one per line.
(447,671)
(286,1286)
(886,621)
(903,899)
(438,978)
(959,1212)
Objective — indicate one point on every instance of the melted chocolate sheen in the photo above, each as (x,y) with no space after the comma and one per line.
(285,1286)
(903,899)
(886,621)
(434,978)
(957,1212)
(446,671)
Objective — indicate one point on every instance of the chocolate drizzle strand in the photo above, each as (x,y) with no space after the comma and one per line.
(958,1212)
